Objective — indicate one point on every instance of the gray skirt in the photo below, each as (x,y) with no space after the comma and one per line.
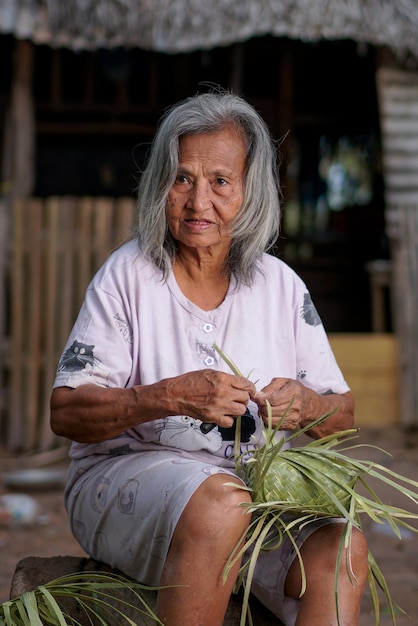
(123,511)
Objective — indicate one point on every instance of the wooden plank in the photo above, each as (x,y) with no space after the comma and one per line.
(398,108)
(51,279)
(410,239)
(64,251)
(404,124)
(5,212)
(404,244)
(84,247)
(409,315)
(393,75)
(400,162)
(402,180)
(16,426)
(399,197)
(22,121)
(124,220)
(404,145)
(32,321)
(102,241)
(401,92)
(67,269)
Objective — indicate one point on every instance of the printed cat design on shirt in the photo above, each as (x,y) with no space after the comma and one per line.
(248,428)
(183,431)
(309,312)
(76,357)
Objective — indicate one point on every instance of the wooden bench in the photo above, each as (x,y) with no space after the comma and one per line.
(34,571)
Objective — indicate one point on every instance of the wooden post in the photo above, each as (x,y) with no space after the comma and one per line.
(16,424)
(4,255)
(404,244)
(398,94)
(17,173)
(18,161)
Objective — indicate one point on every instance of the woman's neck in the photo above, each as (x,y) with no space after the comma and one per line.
(203,281)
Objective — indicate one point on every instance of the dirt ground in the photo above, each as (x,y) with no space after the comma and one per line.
(50,535)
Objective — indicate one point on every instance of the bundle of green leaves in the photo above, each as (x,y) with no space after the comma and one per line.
(97,595)
(293,486)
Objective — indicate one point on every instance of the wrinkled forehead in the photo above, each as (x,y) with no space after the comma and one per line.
(228,129)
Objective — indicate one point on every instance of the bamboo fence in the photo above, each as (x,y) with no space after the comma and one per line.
(56,245)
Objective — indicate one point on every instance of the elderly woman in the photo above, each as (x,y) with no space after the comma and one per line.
(151,408)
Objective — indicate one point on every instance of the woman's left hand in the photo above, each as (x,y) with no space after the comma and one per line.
(294,405)
(287,397)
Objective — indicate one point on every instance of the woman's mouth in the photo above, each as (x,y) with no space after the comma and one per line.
(198,224)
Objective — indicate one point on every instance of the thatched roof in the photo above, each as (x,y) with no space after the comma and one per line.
(186,25)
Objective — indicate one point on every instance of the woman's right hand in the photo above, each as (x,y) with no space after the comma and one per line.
(90,413)
(209,395)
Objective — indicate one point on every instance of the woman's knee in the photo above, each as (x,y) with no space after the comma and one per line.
(217,509)
(335,542)
(320,554)
(354,556)
(358,552)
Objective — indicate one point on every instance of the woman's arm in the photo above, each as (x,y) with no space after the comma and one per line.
(90,413)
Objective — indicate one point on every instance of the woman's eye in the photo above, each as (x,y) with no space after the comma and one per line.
(221,181)
(180,178)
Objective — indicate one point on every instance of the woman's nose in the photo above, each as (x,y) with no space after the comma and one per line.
(201,196)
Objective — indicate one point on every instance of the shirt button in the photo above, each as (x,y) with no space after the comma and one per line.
(207,328)
(208,361)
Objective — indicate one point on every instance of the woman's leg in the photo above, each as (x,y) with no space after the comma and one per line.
(319,554)
(207,532)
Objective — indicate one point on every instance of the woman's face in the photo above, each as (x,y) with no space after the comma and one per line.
(208,191)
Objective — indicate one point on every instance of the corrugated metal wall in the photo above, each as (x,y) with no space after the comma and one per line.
(398,98)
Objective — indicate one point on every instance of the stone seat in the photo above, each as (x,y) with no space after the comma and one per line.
(32,572)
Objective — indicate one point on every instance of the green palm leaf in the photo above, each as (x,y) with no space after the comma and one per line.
(96,593)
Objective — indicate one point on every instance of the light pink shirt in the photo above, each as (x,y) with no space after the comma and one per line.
(134,328)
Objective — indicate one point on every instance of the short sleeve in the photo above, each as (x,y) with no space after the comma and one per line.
(99,348)
(316,364)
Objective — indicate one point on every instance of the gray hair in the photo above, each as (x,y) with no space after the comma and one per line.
(256,227)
